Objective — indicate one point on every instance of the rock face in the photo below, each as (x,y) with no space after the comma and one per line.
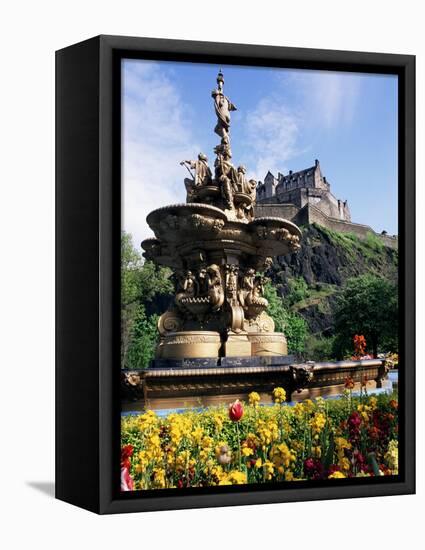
(312,278)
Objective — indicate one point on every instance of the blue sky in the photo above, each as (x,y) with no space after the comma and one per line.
(285,120)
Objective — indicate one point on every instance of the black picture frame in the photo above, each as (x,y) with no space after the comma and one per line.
(88,170)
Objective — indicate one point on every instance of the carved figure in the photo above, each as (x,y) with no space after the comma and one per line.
(246,287)
(258,291)
(243,185)
(189,288)
(232,283)
(226,175)
(223,106)
(202,281)
(202,174)
(215,287)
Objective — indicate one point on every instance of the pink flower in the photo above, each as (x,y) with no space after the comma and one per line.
(127,483)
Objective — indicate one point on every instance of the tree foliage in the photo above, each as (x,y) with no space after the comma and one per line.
(368,305)
(141,283)
(290,323)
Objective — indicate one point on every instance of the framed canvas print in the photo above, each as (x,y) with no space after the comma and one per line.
(235,274)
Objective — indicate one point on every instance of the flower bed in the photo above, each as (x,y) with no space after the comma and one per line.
(248,443)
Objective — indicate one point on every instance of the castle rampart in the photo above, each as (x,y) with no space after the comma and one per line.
(305,197)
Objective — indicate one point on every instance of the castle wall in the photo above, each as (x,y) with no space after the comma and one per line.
(311,214)
(287,211)
(314,215)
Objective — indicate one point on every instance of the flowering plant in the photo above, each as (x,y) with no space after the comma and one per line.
(320,439)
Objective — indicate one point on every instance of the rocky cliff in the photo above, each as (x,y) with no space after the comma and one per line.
(311,279)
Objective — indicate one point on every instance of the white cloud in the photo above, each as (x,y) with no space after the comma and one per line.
(272,132)
(302,103)
(157,131)
(328,98)
(156,137)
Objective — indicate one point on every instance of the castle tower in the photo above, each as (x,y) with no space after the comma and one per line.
(307,187)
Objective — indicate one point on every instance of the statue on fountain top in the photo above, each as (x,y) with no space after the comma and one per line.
(229,189)
(223,106)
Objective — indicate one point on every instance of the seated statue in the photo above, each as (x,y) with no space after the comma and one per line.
(201,177)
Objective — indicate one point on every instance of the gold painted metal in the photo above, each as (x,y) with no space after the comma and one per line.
(190,344)
(218,252)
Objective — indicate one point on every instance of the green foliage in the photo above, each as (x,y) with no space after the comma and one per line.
(319,348)
(291,324)
(368,305)
(374,242)
(143,339)
(141,283)
(297,291)
(370,247)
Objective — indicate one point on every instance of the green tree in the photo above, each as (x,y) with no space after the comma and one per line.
(368,305)
(297,291)
(319,348)
(142,282)
(290,323)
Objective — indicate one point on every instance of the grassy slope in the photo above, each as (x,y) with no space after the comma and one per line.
(311,279)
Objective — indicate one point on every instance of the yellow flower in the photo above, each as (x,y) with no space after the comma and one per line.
(258,463)
(344,464)
(391,456)
(253,398)
(247,451)
(268,468)
(317,451)
(279,395)
(218,419)
(373,402)
(281,455)
(342,443)
(337,475)
(233,478)
(197,435)
(308,406)
(318,422)
(159,479)
(298,410)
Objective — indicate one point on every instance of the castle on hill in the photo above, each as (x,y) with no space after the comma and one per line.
(305,197)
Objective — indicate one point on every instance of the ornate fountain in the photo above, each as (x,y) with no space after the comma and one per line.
(217,340)
(218,252)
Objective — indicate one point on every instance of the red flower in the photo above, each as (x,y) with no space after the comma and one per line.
(313,468)
(354,420)
(359,345)
(236,411)
(349,383)
(126,453)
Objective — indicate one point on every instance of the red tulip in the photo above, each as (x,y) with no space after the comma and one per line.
(236,411)
(126,454)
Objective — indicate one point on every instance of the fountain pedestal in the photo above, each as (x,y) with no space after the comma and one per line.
(219,309)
